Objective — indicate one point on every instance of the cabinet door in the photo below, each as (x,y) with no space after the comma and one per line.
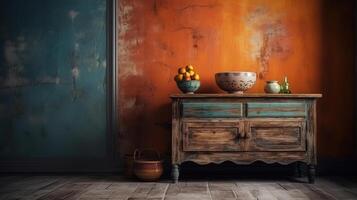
(219,135)
(276,135)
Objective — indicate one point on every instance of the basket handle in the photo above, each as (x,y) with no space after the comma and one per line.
(137,153)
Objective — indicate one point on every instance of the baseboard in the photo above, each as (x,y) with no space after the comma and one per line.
(55,165)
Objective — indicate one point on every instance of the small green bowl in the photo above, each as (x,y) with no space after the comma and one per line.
(188,87)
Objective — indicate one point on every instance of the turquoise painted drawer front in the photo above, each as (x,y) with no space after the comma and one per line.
(211,109)
(276,109)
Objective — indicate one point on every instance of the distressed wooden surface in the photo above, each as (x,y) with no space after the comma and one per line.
(276,109)
(211,136)
(212,109)
(246,95)
(244,157)
(117,188)
(276,135)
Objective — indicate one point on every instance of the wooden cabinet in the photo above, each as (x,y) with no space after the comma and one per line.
(213,128)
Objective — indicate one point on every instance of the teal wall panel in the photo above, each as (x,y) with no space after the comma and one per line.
(53,78)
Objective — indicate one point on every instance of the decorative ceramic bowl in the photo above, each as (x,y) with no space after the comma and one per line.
(188,87)
(235,81)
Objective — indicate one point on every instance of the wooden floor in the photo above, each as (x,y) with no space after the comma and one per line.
(115,187)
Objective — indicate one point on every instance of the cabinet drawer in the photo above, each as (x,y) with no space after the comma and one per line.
(276,135)
(211,136)
(212,109)
(276,109)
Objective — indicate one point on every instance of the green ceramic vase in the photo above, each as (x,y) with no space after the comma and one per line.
(272,87)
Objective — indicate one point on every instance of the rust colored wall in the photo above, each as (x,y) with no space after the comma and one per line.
(310,41)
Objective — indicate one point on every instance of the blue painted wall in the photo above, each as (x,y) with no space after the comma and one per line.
(52,78)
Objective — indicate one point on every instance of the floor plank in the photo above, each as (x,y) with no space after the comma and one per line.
(222,190)
(334,188)
(188,190)
(117,188)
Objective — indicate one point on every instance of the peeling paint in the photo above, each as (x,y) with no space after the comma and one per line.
(267,31)
(75,72)
(196,37)
(127,45)
(72,14)
(104,64)
(129,103)
(76,46)
(195,6)
(124,19)
(130,69)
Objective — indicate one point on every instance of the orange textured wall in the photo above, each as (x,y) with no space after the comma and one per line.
(310,41)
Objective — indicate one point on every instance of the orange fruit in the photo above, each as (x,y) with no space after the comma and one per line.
(191,73)
(187,74)
(182,70)
(187,78)
(189,68)
(179,77)
(196,77)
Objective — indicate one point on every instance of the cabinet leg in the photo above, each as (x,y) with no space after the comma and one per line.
(175,173)
(311,173)
(298,170)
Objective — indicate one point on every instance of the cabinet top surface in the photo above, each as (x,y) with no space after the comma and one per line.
(246,95)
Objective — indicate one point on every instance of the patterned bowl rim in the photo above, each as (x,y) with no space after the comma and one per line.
(236,73)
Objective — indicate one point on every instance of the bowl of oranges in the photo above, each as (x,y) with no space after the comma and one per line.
(187,80)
